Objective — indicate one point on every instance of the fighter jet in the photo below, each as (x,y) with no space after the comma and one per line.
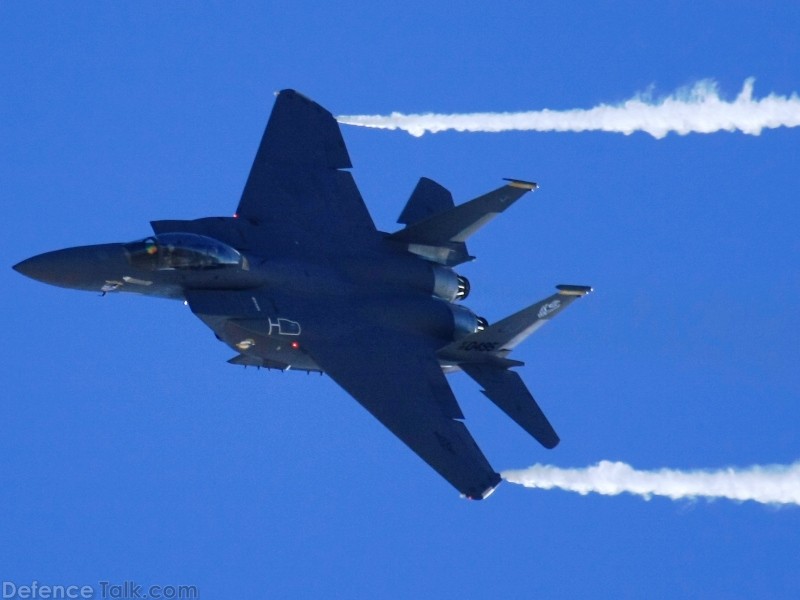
(300,278)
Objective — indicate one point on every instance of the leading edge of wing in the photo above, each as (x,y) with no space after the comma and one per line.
(399,381)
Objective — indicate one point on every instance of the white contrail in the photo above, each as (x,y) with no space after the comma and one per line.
(698,109)
(770,484)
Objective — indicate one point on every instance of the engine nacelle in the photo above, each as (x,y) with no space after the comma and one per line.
(465,321)
(403,271)
(449,285)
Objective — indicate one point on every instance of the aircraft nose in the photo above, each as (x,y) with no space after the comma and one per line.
(37,267)
(84,267)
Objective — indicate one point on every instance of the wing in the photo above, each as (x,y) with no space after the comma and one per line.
(397,378)
(296,183)
(394,375)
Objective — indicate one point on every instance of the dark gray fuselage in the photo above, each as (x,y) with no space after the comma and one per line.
(392,287)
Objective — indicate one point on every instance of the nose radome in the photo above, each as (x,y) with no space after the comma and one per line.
(84,267)
(36,267)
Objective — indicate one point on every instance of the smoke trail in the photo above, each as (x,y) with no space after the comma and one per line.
(693,110)
(771,484)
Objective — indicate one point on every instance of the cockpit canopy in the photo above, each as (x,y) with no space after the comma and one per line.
(169,251)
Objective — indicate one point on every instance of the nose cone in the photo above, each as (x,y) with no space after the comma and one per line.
(82,268)
(38,267)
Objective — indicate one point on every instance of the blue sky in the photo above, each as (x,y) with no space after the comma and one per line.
(132,451)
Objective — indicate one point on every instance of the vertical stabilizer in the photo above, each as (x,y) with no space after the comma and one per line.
(441,236)
(428,199)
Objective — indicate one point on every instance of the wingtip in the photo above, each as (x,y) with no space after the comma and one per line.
(521,184)
(574,290)
(485,493)
(292,93)
(550,442)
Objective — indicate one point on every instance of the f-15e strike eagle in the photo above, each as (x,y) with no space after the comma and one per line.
(300,278)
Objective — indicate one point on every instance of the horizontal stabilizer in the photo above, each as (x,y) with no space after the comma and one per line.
(500,338)
(448,231)
(507,390)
